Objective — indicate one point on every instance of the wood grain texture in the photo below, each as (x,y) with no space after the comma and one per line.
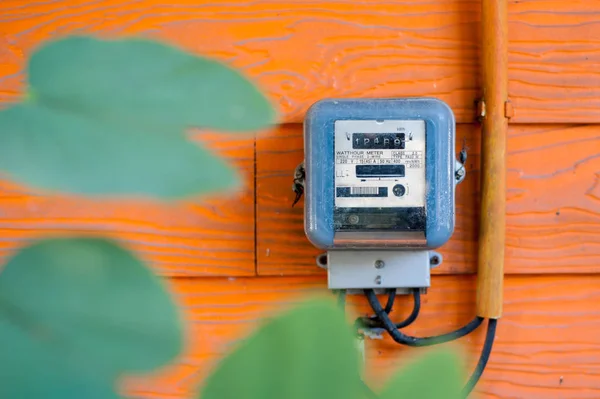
(494,132)
(547,343)
(303,51)
(299,52)
(206,236)
(553,203)
(554,60)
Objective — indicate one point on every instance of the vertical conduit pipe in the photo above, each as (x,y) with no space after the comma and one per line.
(494,113)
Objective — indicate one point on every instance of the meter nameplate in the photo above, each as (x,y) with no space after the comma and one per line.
(379,164)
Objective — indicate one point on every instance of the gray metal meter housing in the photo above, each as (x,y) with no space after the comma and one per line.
(396,193)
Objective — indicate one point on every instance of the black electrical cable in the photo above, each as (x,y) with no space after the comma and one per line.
(483,359)
(408,340)
(390,301)
(375,322)
(415,312)
(414,341)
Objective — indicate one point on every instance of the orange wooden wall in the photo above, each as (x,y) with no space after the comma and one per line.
(230,261)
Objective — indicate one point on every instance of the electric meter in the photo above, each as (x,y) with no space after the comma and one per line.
(380,183)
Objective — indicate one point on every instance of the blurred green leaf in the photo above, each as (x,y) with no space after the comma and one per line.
(143,83)
(75,314)
(306,353)
(434,375)
(109,117)
(56,150)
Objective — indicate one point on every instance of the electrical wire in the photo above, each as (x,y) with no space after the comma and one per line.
(408,340)
(375,322)
(426,341)
(390,301)
(415,312)
(483,359)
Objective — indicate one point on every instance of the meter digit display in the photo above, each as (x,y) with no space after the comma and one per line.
(378,140)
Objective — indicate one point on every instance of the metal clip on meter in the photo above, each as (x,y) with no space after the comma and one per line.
(380,179)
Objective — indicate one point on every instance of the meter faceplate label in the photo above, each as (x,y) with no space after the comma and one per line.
(379,164)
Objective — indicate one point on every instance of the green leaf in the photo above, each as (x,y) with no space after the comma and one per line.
(109,117)
(58,150)
(435,375)
(306,353)
(145,83)
(29,371)
(75,314)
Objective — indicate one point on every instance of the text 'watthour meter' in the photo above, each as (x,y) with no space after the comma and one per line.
(380,179)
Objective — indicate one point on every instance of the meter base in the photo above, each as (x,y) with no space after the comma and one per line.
(354,269)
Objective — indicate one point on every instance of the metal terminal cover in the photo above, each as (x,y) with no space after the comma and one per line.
(347,269)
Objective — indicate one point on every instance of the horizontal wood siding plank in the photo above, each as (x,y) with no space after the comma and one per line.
(205,236)
(553,208)
(554,60)
(303,51)
(547,344)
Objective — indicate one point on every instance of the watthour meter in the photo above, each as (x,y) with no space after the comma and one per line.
(380,180)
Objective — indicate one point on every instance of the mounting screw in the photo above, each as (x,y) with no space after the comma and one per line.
(378,280)
(322,260)
(379,264)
